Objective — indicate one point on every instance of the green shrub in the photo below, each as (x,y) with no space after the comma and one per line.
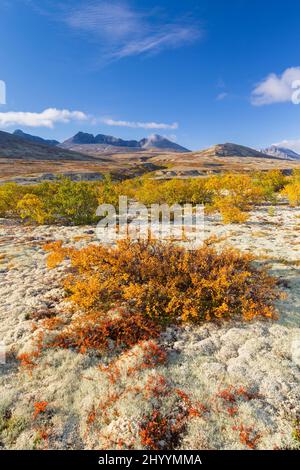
(270,183)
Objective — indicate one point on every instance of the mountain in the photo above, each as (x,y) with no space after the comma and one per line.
(34,138)
(161,143)
(102,142)
(15,147)
(282,152)
(83,138)
(232,150)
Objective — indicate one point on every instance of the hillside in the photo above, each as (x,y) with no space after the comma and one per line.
(24,160)
(35,138)
(15,147)
(232,150)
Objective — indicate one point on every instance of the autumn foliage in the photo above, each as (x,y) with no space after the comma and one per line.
(68,202)
(166,283)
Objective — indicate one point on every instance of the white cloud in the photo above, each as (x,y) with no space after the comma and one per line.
(290,144)
(122,31)
(276,88)
(140,125)
(46,118)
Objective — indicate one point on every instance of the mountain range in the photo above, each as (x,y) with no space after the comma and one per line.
(155,141)
(85,146)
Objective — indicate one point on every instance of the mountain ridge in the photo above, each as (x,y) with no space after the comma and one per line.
(15,147)
(35,138)
(282,152)
(152,142)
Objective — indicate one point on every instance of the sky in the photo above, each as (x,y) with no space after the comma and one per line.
(199,72)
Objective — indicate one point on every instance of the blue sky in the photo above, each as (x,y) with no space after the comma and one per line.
(198,71)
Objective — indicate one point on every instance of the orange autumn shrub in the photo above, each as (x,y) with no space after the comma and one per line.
(167,283)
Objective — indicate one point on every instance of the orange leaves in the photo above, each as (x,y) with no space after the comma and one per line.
(57,253)
(167,283)
(39,407)
(27,360)
(154,355)
(232,394)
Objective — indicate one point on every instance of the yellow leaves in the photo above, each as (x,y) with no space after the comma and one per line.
(232,215)
(84,292)
(292,192)
(234,195)
(31,207)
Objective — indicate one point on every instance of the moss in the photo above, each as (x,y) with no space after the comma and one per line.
(11,426)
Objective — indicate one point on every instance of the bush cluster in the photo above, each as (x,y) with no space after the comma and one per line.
(67,202)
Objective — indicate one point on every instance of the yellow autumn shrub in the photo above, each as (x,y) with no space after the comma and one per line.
(231,214)
(32,209)
(10,194)
(233,196)
(292,192)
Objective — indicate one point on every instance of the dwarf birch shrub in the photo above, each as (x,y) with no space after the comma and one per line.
(32,209)
(63,201)
(233,196)
(292,192)
(270,183)
(167,283)
(10,194)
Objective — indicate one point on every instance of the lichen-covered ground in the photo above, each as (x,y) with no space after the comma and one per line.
(243,377)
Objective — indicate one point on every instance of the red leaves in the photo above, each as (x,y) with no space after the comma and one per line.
(27,360)
(153,430)
(231,396)
(248,436)
(95,332)
(39,407)
(194,409)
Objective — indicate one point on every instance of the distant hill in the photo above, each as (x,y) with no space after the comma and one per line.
(232,150)
(15,147)
(282,152)
(34,138)
(102,142)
